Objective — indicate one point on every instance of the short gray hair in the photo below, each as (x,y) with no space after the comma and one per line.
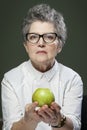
(45,13)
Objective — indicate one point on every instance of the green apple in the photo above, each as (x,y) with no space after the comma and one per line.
(43,96)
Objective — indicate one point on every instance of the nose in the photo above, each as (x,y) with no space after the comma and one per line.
(41,42)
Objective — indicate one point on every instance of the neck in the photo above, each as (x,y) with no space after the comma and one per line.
(43,67)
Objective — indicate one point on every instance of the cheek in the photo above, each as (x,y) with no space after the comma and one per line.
(30,49)
(31,52)
(53,50)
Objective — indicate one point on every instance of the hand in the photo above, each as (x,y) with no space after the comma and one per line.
(57,118)
(50,115)
(31,114)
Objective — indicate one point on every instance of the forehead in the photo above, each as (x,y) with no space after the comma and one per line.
(41,27)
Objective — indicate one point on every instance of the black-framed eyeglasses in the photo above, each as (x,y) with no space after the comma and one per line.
(47,37)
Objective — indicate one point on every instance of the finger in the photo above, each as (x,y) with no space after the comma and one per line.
(44,116)
(46,113)
(42,112)
(31,107)
(55,107)
(49,112)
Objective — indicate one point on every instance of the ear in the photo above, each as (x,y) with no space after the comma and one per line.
(59,47)
(26,47)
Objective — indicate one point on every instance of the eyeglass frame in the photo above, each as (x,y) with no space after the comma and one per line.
(42,36)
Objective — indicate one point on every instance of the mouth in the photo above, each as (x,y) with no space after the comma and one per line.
(41,52)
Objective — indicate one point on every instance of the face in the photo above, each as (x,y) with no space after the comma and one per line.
(41,52)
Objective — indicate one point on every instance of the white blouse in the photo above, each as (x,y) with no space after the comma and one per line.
(19,83)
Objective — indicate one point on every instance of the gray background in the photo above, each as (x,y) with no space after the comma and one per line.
(73,55)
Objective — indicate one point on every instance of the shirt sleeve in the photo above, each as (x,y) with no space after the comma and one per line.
(72,100)
(10,106)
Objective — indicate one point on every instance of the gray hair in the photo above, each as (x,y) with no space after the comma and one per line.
(45,13)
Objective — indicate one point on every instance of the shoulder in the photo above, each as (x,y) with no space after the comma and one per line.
(16,74)
(68,74)
(70,79)
(66,70)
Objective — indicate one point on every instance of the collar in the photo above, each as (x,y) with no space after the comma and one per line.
(38,75)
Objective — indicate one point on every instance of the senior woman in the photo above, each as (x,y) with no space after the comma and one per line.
(44,33)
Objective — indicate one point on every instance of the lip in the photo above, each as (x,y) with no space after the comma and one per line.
(41,52)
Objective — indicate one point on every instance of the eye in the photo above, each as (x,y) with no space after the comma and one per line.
(33,37)
(50,37)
